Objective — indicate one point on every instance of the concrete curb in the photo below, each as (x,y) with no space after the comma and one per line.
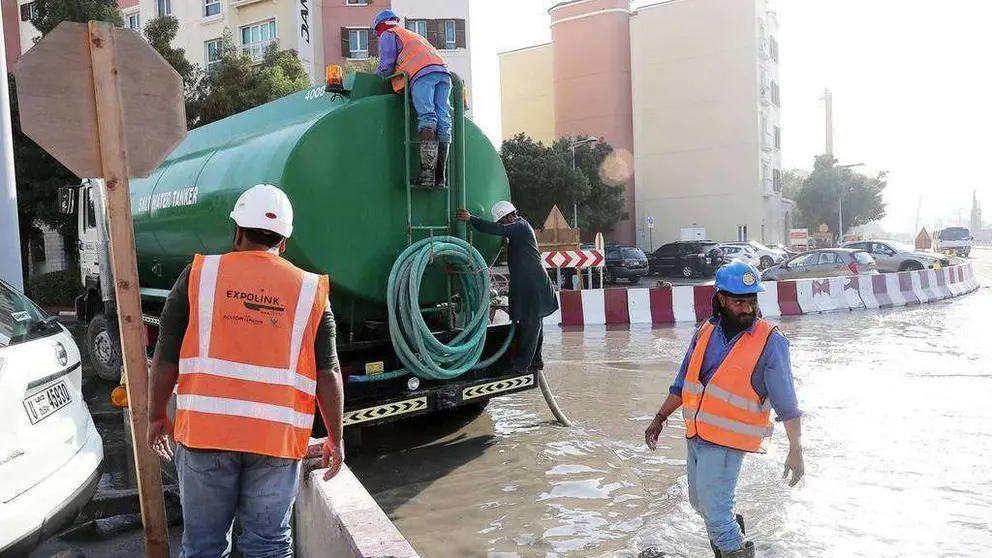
(668,305)
(339,518)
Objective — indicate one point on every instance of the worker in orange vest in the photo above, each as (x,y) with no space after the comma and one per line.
(402,50)
(736,371)
(249,338)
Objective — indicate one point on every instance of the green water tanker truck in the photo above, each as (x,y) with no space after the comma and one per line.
(346,159)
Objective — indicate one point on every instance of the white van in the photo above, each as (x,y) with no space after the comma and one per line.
(50,450)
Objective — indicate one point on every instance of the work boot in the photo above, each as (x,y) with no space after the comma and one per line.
(428,158)
(740,523)
(441,173)
(746,552)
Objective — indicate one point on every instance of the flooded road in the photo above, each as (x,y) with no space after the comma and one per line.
(897,436)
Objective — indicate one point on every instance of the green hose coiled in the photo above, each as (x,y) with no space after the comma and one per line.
(422,354)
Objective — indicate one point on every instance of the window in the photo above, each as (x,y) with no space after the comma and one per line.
(164,7)
(829,258)
(89,220)
(213,51)
(882,250)
(775,95)
(741,233)
(777,181)
(778,137)
(28,11)
(211,7)
(864,258)
(803,261)
(255,39)
(133,21)
(358,43)
(773,49)
(450,35)
(418,26)
(21,321)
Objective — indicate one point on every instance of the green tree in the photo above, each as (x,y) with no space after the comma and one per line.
(50,13)
(817,200)
(160,32)
(542,176)
(237,83)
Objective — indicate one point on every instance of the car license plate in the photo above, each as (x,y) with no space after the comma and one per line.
(45,403)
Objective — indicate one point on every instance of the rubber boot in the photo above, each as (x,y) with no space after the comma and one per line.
(740,523)
(746,552)
(428,158)
(441,173)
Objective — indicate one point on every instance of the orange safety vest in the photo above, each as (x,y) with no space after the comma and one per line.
(247,371)
(727,411)
(417,53)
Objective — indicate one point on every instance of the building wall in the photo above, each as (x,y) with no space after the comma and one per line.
(696,119)
(336,14)
(592,82)
(527,93)
(11,32)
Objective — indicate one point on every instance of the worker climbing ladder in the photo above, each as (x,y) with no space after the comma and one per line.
(456,162)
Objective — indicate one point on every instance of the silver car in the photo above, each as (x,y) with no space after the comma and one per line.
(818,264)
(893,256)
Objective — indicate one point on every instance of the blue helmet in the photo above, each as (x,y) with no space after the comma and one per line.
(384,15)
(739,278)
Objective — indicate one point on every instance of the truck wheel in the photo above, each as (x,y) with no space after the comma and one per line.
(104,354)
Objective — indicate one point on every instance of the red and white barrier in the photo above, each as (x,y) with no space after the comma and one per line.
(667,305)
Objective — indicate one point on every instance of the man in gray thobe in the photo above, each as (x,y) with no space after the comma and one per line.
(531,296)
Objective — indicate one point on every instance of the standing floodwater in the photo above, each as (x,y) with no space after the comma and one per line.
(897,434)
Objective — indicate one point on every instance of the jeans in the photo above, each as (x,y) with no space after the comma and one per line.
(430,99)
(713,472)
(214,486)
(530,338)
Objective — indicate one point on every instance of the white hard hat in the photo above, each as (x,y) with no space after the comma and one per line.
(265,207)
(502,209)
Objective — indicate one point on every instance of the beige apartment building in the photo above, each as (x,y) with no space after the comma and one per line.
(689,87)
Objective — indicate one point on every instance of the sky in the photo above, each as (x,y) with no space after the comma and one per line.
(911,83)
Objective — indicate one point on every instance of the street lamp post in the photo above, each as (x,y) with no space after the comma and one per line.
(575,202)
(840,204)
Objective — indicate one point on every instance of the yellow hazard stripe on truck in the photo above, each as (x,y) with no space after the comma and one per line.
(385,411)
(491,388)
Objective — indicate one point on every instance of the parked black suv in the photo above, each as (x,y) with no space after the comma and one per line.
(625,262)
(687,258)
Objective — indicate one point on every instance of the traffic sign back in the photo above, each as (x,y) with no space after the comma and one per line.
(57,102)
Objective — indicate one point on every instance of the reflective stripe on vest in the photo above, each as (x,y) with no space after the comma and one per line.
(416,54)
(228,405)
(727,411)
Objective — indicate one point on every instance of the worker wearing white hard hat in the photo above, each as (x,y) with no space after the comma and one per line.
(531,296)
(250,369)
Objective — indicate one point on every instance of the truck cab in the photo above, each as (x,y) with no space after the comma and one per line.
(953,241)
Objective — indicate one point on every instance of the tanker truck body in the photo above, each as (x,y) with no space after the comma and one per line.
(344,159)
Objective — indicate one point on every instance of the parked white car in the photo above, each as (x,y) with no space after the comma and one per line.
(740,252)
(50,450)
(767,257)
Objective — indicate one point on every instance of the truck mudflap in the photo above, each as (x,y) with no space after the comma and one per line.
(438,397)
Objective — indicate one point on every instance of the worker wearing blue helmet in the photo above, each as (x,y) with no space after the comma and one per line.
(737,369)
(402,51)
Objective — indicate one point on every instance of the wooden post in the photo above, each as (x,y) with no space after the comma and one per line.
(113,154)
